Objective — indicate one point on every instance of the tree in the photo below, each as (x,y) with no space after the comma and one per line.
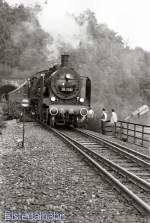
(23,43)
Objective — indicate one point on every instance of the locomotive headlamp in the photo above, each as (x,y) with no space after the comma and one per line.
(68,76)
(53,98)
(82,100)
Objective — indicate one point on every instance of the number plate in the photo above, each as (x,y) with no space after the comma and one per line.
(67,89)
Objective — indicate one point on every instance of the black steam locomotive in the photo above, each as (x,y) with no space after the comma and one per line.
(57,96)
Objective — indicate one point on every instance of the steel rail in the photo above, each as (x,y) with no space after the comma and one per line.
(139,204)
(117,144)
(118,149)
(143,207)
(135,179)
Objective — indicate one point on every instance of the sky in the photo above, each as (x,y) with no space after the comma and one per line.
(129,18)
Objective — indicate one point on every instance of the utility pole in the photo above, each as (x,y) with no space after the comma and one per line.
(25,104)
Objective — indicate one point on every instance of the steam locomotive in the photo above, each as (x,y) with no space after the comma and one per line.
(58,95)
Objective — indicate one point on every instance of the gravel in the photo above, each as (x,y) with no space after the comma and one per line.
(46,175)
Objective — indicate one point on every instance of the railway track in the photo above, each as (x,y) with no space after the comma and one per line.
(127,171)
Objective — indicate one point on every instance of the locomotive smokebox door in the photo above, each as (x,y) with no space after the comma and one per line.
(64,60)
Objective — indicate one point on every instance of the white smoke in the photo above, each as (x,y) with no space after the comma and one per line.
(56,18)
(65,32)
(31,3)
(63,28)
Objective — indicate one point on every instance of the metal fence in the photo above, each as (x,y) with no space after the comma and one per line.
(130,132)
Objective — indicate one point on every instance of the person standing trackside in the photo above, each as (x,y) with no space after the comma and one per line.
(103,120)
(113,121)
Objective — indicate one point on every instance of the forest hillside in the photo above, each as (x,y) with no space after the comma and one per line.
(119,74)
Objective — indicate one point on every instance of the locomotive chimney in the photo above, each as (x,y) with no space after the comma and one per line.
(64,60)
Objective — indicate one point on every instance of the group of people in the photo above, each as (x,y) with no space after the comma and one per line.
(104,119)
(113,120)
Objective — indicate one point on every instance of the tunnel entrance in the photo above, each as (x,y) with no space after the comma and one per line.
(4,90)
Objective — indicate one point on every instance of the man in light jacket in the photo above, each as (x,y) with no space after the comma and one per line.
(103,120)
(113,121)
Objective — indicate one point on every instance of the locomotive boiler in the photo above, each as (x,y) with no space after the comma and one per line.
(59,95)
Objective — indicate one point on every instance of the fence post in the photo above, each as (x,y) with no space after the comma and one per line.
(121,130)
(115,129)
(127,131)
(134,132)
(142,134)
(148,149)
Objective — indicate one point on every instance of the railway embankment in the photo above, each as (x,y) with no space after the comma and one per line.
(46,176)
